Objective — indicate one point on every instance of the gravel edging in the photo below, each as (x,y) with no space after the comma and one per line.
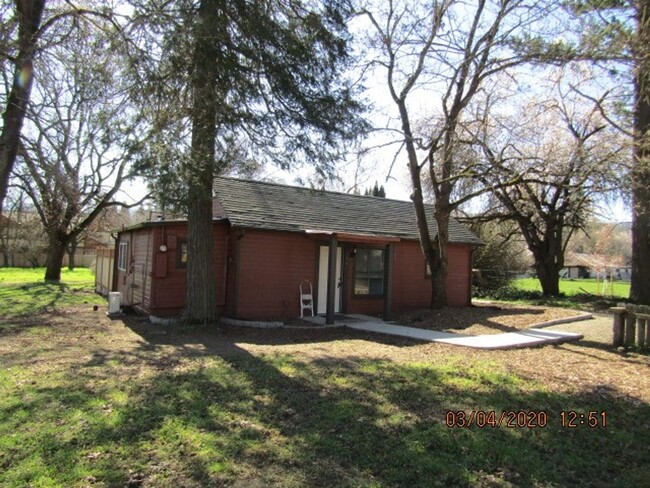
(260,324)
(252,323)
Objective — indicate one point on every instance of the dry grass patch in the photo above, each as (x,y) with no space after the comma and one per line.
(484,318)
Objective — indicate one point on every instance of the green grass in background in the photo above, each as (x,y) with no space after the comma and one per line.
(35,275)
(583,294)
(574,287)
(23,290)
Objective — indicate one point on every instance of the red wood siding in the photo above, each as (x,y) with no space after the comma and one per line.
(154,283)
(270,269)
(169,291)
(459,275)
(412,288)
(258,273)
(135,283)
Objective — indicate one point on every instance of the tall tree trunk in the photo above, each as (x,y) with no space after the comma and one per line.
(549,276)
(439,265)
(200,302)
(438,273)
(547,252)
(71,250)
(4,244)
(436,266)
(640,286)
(58,242)
(29,13)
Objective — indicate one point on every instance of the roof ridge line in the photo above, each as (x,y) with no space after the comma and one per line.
(286,185)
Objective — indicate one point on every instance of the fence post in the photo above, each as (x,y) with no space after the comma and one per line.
(619,320)
(630,323)
(641,330)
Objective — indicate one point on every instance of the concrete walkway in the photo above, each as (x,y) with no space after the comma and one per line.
(524,338)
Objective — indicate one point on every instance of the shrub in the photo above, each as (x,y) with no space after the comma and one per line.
(508,292)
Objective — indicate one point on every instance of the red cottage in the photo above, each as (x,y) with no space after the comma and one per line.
(270,237)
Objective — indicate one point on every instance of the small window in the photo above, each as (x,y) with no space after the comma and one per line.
(369,272)
(181,254)
(122,256)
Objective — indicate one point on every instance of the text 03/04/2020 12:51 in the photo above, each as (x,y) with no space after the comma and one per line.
(523,418)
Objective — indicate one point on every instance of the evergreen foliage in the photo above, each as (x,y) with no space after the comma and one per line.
(260,79)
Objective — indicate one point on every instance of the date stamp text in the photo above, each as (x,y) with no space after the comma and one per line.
(523,419)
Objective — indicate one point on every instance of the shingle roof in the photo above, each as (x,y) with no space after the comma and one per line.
(261,205)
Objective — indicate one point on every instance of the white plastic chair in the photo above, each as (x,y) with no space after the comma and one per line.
(306,298)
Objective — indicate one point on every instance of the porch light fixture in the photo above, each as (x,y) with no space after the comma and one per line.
(353,252)
(163,248)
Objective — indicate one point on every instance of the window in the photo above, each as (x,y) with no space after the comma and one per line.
(181,254)
(122,256)
(369,272)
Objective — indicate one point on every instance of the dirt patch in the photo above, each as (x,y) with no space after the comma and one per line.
(484,318)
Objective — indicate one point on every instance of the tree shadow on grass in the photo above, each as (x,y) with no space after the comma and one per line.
(585,348)
(218,414)
(30,299)
(218,336)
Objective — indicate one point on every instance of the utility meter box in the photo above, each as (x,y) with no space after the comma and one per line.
(114,302)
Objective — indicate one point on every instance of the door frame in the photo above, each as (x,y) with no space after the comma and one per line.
(322,261)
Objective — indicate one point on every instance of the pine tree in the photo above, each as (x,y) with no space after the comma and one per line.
(265,75)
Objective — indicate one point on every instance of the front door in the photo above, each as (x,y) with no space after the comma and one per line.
(323,266)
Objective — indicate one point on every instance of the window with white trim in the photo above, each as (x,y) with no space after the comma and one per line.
(122,256)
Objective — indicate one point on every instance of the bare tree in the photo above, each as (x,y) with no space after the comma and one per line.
(97,232)
(10,228)
(78,143)
(559,160)
(502,255)
(616,36)
(28,18)
(440,55)
(25,33)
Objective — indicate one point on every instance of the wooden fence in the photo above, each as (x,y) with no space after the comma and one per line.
(84,257)
(104,270)
(631,325)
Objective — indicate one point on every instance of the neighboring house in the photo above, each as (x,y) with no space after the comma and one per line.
(270,237)
(582,265)
(623,273)
(575,271)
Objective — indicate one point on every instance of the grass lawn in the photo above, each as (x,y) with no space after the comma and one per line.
(23,290)
(87,401)
(620,289)
(583,294)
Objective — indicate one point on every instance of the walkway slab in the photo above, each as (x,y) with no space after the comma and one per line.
(510,340)
(524,338)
